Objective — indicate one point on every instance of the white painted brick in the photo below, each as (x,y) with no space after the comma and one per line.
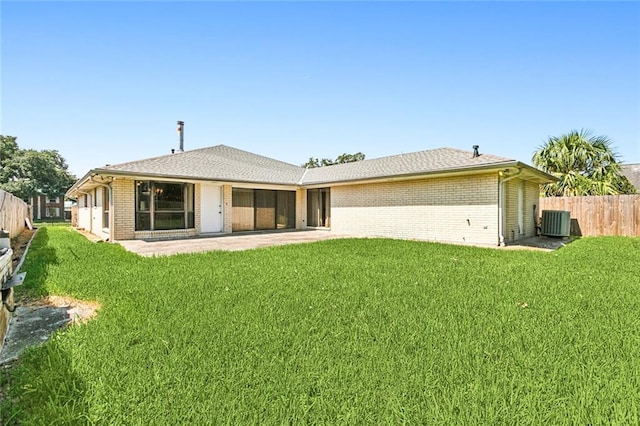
(456,209)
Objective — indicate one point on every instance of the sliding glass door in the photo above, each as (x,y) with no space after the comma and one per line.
(319,207)
(261,209)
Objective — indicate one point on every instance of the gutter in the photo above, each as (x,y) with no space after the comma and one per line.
(176,178)
(501,198)
(489,167)
(75,186)
(323,181)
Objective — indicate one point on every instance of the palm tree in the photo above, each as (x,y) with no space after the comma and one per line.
(585,165)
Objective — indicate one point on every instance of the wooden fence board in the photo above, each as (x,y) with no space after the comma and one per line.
(13,211)
(599,215)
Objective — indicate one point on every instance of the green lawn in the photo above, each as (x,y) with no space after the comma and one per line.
(337,332)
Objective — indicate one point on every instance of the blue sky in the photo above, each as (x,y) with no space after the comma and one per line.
(105,82)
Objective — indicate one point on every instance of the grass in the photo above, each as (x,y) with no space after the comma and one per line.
(340,332)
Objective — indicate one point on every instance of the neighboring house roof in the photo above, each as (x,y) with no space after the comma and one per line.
(632,172)
(226,164)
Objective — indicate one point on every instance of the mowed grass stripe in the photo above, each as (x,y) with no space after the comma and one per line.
(354,331)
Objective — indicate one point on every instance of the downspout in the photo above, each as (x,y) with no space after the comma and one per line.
(501,181)
(108,186)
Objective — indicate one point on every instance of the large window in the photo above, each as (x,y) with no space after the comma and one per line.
(261,209)
(52,212)
(164,205)
(105,207)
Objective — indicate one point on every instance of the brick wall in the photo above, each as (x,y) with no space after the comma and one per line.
(530,194)
(90,213)
(227,210)
(124,214)
(197,203)
(456,209)
(301,208)
(511,227)
(41,207)
(123,210)
(165,234)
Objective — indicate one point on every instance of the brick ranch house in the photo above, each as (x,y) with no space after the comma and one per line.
(46,207)
(445,195)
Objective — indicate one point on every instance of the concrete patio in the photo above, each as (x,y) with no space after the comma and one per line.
(233,242)
(253,240)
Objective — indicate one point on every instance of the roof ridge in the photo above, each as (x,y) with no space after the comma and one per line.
(257,155)
(481,154)
(230,148)
(144,159)
(366,160)
(301,181)
(404,153)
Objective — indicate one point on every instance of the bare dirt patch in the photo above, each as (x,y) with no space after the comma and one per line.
(20,244)
(79,311)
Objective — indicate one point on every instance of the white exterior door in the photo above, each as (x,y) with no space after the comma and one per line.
(210,208)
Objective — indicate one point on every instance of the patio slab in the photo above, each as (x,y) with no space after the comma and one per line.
(253,240)
(225,242)
(31,326)
(540,243)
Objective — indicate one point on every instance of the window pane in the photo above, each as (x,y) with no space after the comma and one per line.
(190,198)
(242,202)
(169,197)
(286,217)
(190,205)
(313,210)
(143,221)
(265,209)
(319,207)
(143,195)
(168,220)
(105,199)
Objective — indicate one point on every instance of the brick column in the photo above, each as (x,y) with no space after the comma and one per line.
(123,209)
(227,209)
(197,206)
(301,208)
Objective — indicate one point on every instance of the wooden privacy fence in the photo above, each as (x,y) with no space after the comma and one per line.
(599,215)
(13,212)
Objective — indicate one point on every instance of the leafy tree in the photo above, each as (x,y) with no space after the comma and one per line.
(349,158)
(585,165)
(8,149)
(29,172)
(344,158)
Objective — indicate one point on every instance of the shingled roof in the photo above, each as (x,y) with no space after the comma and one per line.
(220,162)
(226,164)
(414,163)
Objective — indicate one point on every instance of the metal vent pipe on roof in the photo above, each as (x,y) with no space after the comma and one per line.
(475,151)
(181,133)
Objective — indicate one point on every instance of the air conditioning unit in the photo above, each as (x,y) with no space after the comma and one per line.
(556,223)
